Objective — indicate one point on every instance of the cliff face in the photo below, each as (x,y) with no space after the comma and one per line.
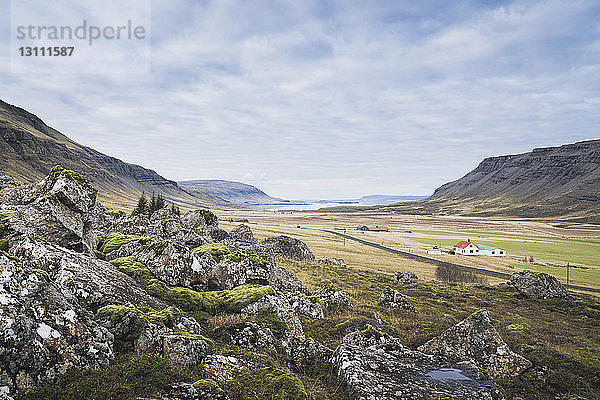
(30,149)
(546,182)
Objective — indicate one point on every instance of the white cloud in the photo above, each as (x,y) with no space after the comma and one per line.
(337,101)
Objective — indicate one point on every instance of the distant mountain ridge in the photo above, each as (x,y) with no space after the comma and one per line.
(30,148)
(549,182)
(234,192)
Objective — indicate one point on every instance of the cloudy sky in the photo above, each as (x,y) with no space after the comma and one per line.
(333,99)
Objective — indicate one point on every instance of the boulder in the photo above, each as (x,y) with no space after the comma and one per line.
(58,208)
(311,355)
(225,368)
(332,299)
(393,372)
(184,349)
(44,331)
(243,234)
(332,261)
(392,299)
(95,283)
(199,219)
(285,304)
(538,285)
(476,339)
(405,277)
(370,336)
(248,335)
(290,248)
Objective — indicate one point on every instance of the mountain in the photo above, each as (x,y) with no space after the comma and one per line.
(234,192)
(551,182)
(375,199)
(30,148)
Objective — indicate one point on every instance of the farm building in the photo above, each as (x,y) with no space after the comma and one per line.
(372,228)
(435,250)
(472,249)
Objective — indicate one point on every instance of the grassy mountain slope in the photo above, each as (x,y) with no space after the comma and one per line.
(552,182)
(235,192)
(30,148)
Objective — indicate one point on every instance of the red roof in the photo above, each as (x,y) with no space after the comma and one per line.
(462,244)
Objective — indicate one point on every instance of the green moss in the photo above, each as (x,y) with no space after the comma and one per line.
(277,326)
(115,213)
(517,327)
(269,383)
(208,385)
(115,240)
(217,250)
(190,300)
(5,215)
(3,244)
(256,261)
(371,332)
(72,175)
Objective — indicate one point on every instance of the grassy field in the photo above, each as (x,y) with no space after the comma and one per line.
(551,246)
(560,338)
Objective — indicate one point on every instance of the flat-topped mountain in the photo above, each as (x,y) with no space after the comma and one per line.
(234,192)
(547,182)
(30,148)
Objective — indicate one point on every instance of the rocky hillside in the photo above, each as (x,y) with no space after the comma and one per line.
(234,192)
(30,148)
(545,183)
(101,305)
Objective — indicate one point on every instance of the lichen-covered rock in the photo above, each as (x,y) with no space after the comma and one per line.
(242,234)
(538,285)
(57,208)
(393,372)
(44,331)
(204,389)
(184,349)
(393,299)
(332,261)
(200,219)
(332,299)
(7,181)
(476,339)
(225,368)
(95,283)
(248,335)
(405,277)
(290,248)
(284,304)
(311,355)
(370,336)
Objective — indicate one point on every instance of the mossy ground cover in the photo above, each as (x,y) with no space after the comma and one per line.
(229,301)
(129,377)
(562,335)
(115,240)
(217,250)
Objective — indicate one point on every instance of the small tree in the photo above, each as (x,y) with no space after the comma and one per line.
(142,206)
(175,210)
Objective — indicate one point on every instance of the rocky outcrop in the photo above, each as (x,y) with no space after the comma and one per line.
(93,282)
(393,372)
(290,248)
(405,277)
(311,355)
(7,181)
(332,261)
(332,299)
(476,339)
(538,285)
(225,368)
(285,304)
(44,332)
(392,299)
(242,234)
(248,335)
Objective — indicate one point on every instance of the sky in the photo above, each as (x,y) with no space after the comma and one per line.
(331,99)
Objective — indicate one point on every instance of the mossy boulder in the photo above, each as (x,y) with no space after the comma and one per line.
(538,285)
(115,240)
(217,250)
(187,299)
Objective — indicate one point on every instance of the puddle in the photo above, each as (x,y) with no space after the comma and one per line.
(447,374)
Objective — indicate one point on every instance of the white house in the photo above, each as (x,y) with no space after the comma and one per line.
(472,249)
